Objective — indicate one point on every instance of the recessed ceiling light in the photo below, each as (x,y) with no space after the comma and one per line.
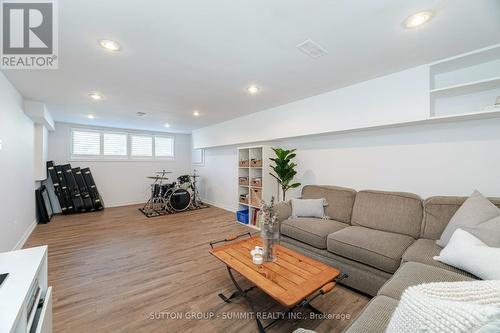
(91,116)
(253,90)
(418,19)
(167,125)
(96,96)
(196,113)
(109,45)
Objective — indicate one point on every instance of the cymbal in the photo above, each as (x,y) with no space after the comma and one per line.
(160,172)
(157,178)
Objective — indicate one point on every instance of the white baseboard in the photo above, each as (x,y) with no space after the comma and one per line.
(120,204)
(220,205)
(25,236)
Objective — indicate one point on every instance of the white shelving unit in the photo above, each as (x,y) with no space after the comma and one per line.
(254,165)
(466,84)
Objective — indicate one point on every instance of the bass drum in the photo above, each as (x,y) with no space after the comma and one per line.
(180,200)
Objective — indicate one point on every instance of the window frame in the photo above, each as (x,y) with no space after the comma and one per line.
(83,156)
(115,157)
(142,157)
(128,157)
(171,137)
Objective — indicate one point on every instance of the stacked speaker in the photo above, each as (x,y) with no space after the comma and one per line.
(74,188)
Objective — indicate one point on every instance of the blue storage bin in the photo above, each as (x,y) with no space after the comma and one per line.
(242,216)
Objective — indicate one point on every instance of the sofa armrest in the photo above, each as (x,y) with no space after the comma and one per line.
(283,210)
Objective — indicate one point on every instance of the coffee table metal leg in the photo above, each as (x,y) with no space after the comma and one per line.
(307,305)
(244,294)
(234,295)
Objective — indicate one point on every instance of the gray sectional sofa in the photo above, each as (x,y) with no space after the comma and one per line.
(385,241)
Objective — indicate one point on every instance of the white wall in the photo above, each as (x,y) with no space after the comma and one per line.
(395,98)
(17,196)
(438,159)
(121,182)
(40,151)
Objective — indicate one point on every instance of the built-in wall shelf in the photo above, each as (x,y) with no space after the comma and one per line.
(468,88)
(465,84)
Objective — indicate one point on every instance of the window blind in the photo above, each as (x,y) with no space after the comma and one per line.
(141,146)
(164,146)
(115,144)
(86,143)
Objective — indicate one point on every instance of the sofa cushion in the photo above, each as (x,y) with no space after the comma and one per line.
(438,211)
(340,200)
(375,316)
(397,212)
(423,251)
(312,231)
(413,273)
(475,210)
(467,252)
(379,249)
(488,232)
(308,207)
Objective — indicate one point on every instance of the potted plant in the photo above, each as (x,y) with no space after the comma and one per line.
(284,169)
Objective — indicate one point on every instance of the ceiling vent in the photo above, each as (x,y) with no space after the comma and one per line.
(140,114)
(312,49)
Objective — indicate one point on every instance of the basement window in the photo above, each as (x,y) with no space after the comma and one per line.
(141,146)
(85,143)
(115,144)
(102,145)
(164,147)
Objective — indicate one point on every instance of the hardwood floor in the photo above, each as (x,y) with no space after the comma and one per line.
(118,271)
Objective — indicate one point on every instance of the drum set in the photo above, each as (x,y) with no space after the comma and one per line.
(175,197)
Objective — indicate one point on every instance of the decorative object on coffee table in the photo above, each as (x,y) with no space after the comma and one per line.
(269,231)
(284,170)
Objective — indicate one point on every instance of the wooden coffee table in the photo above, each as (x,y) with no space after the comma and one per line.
(293,279)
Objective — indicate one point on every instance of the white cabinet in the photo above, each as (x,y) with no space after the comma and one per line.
(25,297)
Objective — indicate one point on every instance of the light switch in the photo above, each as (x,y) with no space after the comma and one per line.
(1,144)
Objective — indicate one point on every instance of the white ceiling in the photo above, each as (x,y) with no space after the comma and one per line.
(183,55)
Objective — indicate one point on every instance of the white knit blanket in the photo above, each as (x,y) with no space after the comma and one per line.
(446,307)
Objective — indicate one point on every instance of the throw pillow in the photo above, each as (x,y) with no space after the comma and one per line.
(308,207)
(488,232)
(441,307)
(468,253)
(475,209)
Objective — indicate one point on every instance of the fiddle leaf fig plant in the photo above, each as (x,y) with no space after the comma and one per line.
(284,169)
